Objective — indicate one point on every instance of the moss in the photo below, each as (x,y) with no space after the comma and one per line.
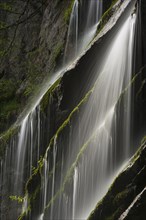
(8,109)
(29,89)
(3,25)
(118,199)
(5,137)
(143,141)
(68,12)
(2,53)
(31,195)
(115,214)
(45,100)
(120,196)
(3,43)
(106,16)
(138,153)
(19,199)
(8,102)
(5,6)
(25,213)
(37,171)
(143,83)
(56,53)
(70,172)
(7,89)
(66,122)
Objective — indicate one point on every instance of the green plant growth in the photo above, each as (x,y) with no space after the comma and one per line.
(51,90)
(5,6)
(68,12)
(7,89)
(69,174)
(5,137)
(120,196)
(19,199)
(106,16)
(8,102)
(56,54)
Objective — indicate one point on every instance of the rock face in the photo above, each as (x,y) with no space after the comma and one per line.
(35,34)
(32,38)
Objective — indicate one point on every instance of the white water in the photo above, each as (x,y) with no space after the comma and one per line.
(77,40)
(95,167)
(85,180)
(116,73)
(75,181)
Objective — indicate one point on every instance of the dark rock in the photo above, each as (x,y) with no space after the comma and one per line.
(125,189)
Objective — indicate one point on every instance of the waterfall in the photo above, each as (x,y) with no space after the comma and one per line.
(72,36)
(90,164)
(78,169)
(82,27)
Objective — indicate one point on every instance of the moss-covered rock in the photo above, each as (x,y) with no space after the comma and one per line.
(124,189)
(28,49)
(5,138)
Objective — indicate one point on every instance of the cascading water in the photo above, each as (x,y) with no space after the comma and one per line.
(82,27)
(31,129)
(76,176)
(91,164)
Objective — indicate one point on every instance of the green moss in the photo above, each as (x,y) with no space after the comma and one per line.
(138,153)
(143,141)
(5,6)
(8,109)
(5,137)
(115,214)
(120,196)
(7,89)
(56,53)
(9,105)
(3,25)
(25,213)
(70,172)
(29,89)
(66,122)
(31,196)
(45,100)
(106,16)
(68,12)
(37,171)
(143,83)
(19,199)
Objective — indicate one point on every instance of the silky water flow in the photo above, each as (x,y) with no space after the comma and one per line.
(82,28)
(87,169)
(20,153)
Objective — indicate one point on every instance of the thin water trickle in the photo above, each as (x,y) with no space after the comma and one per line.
(72,37)
(53,178)
(82,28)
(75,191)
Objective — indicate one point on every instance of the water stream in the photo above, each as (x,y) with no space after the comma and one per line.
(90,166)
(79,169)
(82,27)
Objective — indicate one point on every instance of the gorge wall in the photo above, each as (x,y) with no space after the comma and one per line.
(33,37)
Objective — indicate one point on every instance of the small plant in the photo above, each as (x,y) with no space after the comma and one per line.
(19,199)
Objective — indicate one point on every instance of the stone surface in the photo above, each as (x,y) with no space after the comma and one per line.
(125,189)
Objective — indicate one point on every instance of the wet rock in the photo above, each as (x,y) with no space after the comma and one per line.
(125,189)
